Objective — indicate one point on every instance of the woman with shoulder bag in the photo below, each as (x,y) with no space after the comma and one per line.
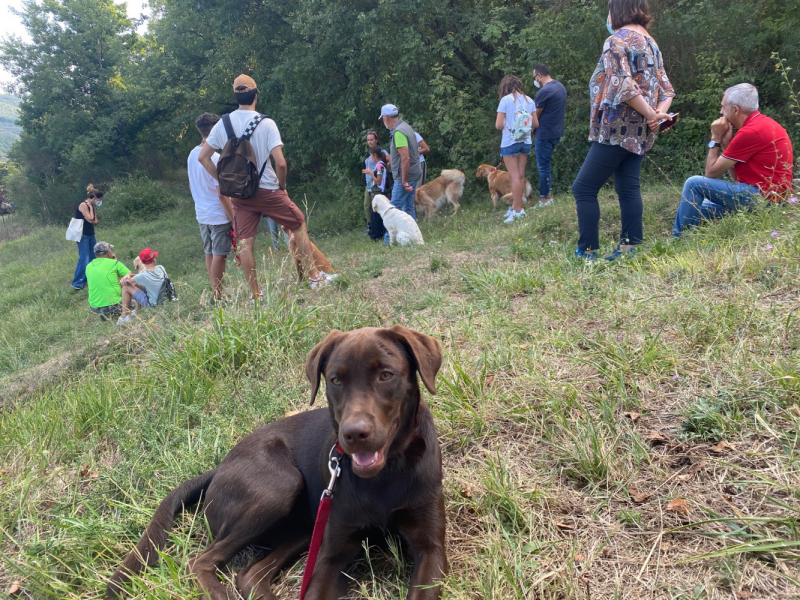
(630,94)
(87,212)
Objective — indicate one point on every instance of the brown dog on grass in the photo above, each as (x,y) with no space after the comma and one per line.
(447,188)
(320,262)
(266,491)
(500,184)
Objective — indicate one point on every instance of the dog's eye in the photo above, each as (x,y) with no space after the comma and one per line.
(336,381)
(386,375)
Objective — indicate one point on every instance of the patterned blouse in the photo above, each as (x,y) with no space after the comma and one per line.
(631,65)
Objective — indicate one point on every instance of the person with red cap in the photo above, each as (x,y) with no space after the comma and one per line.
(143,288)
(272,199)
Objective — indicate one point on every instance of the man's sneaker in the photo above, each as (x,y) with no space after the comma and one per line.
(253,298)
(583,255)
(544,204)
(515,216)
(509,212)
(322,280)
(618,253)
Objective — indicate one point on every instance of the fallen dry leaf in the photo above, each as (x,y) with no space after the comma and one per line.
(723,446)
(3,471)
(84,471)
(467,492)
(565,526)
(607,551)
(579,557)
(678,505)
(489,381)
(684,477)
(656,437)
(633,416)
(697,467)
(637,497)
(743,595)
(94,475)
(14,589)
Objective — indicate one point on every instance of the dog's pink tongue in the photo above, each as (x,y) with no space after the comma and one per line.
(365,459)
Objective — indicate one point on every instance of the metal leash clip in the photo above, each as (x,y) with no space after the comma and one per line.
(334,468)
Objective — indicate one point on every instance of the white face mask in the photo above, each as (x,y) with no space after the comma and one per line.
(98,203)
(536,83)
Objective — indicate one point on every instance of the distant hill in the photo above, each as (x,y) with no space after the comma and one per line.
(9,132)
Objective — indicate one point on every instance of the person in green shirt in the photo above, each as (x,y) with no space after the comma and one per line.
(103,276)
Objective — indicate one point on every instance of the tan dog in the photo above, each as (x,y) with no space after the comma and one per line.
(447,188)
(138,265)
(500,184)
(320,262)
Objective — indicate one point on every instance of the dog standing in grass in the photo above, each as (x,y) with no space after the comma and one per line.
(500,184)
(320,262)
(400,226)
(447,188)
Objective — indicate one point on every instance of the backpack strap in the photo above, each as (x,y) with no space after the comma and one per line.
(251,128)
(226,121)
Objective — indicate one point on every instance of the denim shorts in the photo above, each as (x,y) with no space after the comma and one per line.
(141,297)
(514,149)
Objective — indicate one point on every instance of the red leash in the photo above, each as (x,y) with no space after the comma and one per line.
(237,261)
(323,512)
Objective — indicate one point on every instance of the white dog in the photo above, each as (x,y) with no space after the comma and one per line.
(401,226)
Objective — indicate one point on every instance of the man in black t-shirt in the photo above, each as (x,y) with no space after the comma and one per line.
(551,106)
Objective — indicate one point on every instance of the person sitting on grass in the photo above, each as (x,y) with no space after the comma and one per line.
(143,288)
(103,275)
(752,148)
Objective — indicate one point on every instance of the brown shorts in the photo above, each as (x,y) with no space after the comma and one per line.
(273,203)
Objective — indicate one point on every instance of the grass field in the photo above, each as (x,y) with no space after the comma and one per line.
(624,430)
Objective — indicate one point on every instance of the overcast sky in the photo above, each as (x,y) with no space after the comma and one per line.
(11,25)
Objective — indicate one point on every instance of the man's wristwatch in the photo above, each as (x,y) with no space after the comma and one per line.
(713,144)
(282,187)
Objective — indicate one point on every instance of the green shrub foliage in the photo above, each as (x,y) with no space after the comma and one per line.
(135,198)
(103,100)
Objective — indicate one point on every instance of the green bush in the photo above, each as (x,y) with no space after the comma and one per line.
(135,198)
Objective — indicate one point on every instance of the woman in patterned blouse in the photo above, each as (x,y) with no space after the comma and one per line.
(630,94)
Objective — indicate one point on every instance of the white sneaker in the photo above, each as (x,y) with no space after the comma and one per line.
(509,212)
(125,319)
(323,280)
(515,216)
(543,204)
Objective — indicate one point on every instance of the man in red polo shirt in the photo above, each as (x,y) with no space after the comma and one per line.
(754,149)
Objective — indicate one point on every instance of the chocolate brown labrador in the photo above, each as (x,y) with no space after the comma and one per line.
(265,492)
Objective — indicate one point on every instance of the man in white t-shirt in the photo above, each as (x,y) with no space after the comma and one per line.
(272,199)
(423,149)
(214,211)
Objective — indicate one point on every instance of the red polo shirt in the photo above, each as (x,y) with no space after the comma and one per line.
(763,154)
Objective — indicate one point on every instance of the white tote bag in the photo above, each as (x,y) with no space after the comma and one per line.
(75,230)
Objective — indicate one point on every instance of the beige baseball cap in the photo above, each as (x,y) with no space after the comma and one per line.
(244,83)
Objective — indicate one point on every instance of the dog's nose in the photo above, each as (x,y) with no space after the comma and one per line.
(356,431)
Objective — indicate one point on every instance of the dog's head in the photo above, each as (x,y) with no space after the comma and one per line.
(372,390)
(380,203)
(484,171)
(138,265)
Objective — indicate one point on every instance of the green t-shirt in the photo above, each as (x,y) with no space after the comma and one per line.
(102,277)
(400,140)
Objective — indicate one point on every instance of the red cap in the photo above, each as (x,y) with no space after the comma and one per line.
(147,256)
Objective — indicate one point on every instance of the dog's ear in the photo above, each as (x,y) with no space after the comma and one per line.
(318,358)
(424,350)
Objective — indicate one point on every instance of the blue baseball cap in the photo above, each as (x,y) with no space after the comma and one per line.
(389,110)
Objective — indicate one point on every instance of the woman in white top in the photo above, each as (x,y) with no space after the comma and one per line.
(515,152)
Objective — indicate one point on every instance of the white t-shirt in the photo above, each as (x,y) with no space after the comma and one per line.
(204,191)
(507,106)
(419,139)
(264,139)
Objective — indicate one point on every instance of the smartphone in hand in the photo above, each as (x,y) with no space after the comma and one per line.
(666,124)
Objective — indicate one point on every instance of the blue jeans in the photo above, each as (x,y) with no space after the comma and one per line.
(275,233)
(603,161)
(706,198)
(544,152)
(85,256)
(403,200)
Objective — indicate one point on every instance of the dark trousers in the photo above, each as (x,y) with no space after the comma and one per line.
(544,154)
(602,162)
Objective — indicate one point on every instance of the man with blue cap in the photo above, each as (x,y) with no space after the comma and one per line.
(405,164)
